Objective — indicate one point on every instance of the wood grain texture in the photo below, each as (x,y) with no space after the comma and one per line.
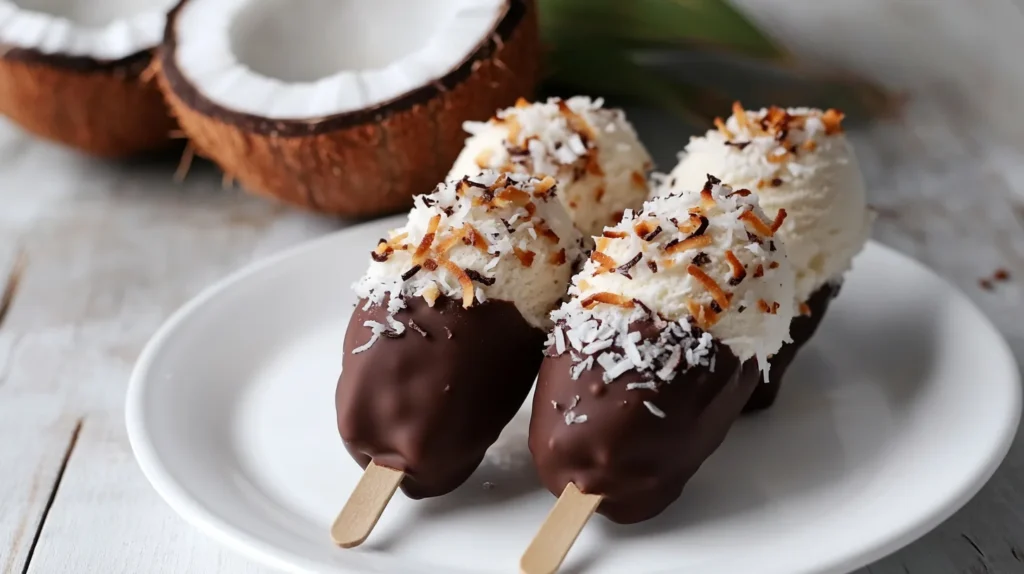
(365,505)
(132,530)
(31,464)
(112,248)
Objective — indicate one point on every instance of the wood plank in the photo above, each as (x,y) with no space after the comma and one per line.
(106,518)
(110,251)
(36,439)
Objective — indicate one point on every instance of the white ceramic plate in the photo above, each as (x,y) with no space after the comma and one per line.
(891,419)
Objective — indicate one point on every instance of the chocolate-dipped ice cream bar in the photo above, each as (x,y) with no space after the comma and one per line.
(800,161)
(667,333)
(448,334)
(592,151)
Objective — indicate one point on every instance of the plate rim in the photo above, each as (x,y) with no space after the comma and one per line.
(229,535)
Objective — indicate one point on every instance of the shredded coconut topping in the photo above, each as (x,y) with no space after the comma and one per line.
(460,242)
(795,159)
(695,293)
(601,171)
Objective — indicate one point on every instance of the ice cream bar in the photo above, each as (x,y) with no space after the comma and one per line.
(670,325)
(448,334)
(800,161)
(593,152)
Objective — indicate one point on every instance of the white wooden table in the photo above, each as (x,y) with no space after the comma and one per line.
(95,255)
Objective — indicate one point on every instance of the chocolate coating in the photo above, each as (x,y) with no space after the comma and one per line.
(636,460)
(431,406)
(801,330)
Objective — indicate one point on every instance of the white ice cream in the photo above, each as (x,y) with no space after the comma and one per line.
(593,152)
(508,228)
(797,160)
(714,259)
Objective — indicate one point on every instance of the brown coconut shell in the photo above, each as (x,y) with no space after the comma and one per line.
(371,161)
(104,108)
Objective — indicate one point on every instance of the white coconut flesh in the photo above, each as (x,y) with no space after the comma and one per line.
(309,59)
(97,29)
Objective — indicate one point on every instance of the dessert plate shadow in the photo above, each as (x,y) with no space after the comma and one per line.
(891,418)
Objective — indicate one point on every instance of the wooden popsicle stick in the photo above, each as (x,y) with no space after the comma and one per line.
(365,505)
(558,533)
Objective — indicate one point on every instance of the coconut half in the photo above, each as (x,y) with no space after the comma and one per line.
(347,107)
(72,71)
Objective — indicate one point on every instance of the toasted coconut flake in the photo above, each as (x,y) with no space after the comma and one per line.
(500,183)
(514,196)
(522,103)
(776,117)
(707,201)
(805,309)
(467,284)
(755,222)
(557,258)
(704,315)
(642,228)
(602,243)
(688,243)
(740,192)
(738,271)
(428,238)
(775,157)
(780,218)
(810,145)
(613,234)
(720,124)
(530,208)
(451,241)
(431,293)
(606,263)
(525,256)
(607,298)
(638,179)
(599,193)
(593,167)
(542,187)
(546,232)
(763,306)
(575,121)
(652,265)
(773,265)
(475,238)
(381,253)
(483,159)
(514,129)
(717,293)
(833,120)
(759,271)
(741,116)
(698,224)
